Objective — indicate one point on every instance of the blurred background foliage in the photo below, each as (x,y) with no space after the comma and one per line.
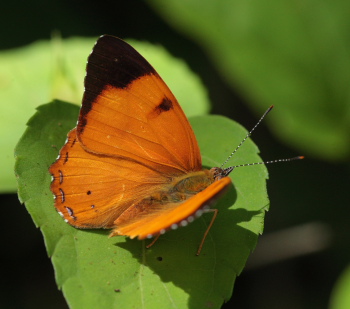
(249,55)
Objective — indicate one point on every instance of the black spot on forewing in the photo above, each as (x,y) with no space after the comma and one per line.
(163,106)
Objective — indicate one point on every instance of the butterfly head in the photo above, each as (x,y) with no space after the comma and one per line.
(219,173)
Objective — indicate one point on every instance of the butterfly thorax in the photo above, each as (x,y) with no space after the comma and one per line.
(190,184)
(185,186)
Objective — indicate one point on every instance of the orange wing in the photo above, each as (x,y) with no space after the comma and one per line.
(156,220)
(128,111)
(91,191)
(132,144)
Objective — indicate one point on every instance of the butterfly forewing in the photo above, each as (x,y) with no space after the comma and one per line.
(129,112)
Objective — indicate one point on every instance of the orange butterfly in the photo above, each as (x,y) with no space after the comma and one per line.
(132,163)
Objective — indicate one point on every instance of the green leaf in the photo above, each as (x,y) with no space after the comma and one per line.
(48,70)
(284,53)
(340,298)
(30,76)
(95,271)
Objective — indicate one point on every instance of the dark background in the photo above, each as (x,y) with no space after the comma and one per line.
(300,192)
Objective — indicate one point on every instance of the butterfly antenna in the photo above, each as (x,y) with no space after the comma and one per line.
(248,135)
(269,162)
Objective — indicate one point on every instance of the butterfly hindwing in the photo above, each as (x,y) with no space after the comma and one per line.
(92,191)
(157,220)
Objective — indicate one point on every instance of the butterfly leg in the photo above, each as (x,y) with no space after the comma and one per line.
(153,241)
(207,231)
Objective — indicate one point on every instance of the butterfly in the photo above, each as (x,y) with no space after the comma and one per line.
(132,164)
